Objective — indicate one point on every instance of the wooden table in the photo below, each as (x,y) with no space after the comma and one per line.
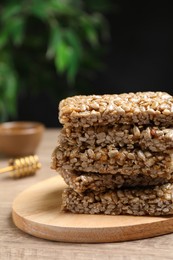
(15,244)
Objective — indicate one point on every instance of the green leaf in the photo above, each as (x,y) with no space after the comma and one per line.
(76,55)
(66,49)
(40,9)
(73,39)
(47,9)
(13,30)
(90,30)
(55,37)
(72,68)
(17,30)
(92,35)
(10,10)
(62,7)
(63,55)
(8,87)
(12,24)
(10,95)
(3,38)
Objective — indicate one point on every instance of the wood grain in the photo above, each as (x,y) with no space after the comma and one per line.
(37,211)
(15,244)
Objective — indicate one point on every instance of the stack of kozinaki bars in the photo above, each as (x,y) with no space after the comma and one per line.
(115,152)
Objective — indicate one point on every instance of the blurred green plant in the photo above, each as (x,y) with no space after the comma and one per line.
(65,33)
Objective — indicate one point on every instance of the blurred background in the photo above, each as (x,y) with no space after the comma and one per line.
(53,49)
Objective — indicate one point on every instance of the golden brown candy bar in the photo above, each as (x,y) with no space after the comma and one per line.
(156,139)
(155,201)
(82,181)
(109,159)
(139,108)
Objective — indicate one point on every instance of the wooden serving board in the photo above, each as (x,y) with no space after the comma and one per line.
(37,211)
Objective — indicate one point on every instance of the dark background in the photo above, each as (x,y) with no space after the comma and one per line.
(139,58)
(141,53)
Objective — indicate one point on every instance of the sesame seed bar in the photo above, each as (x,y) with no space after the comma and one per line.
(82,181)
(154,201)
(112,160)
(133,108)
(154,138)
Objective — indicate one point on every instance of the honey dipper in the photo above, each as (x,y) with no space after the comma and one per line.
(21,167)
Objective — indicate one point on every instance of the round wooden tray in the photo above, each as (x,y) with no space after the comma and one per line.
(37,211)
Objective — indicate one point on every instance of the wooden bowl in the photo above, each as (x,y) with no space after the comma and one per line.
(20,138)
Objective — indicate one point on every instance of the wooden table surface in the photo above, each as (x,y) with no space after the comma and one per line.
(15,244)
